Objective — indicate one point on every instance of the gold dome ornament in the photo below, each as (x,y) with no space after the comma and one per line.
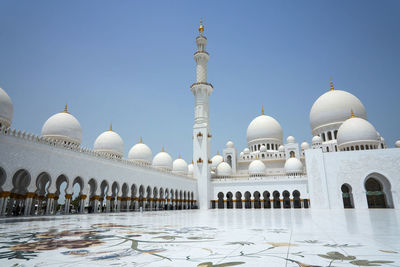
(262,110)
(201,27)
(110,128)
(332,85)
(352,114)
(66,108)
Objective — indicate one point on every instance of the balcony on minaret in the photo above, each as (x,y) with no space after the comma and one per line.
(199,161)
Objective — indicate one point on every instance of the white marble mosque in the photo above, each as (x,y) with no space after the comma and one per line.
(347,165)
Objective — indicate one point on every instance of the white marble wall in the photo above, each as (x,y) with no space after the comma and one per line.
(327,172)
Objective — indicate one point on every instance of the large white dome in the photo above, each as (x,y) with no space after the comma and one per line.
(6,109)
(180,166)
(333,107)
(63,127)
(264,127)
(224,169)
(257,167)
(140,152)
(356,130)
(109,142)
(217,159)
(293,165)
(163,161)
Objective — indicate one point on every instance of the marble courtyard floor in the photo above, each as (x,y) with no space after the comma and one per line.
(284,237)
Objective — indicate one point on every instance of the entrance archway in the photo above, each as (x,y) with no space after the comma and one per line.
(347,196)
(247,203)
(378,192)
(277,201)
(238,202)
(220,200)
(286,199)
(257,201)
(296,199)
(229,201)
(267,202)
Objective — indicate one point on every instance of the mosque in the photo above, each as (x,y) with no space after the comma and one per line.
(347,165)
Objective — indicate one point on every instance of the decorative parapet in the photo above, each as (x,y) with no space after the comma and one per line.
(203,83)
(82,150)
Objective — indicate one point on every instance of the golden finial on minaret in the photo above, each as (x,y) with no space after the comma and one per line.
(110,128)
(332,85)
(262,110)
(66,108)
(201,27)
(162,149)
(352,114)
(179,156)
(141,140)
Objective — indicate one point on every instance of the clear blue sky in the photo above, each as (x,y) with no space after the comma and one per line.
(131,63)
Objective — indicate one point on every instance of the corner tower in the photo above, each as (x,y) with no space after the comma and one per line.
(201,128)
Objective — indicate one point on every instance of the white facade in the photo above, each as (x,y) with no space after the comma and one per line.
(348,164)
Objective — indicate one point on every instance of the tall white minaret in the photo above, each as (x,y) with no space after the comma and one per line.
(201,128)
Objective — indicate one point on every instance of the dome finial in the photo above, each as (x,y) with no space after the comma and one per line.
(217,152)
(262,110)
(179,156)
(66,108)
(110,128)
(332,84)
(162,149)
(141,140)
(201,27)
(352,114)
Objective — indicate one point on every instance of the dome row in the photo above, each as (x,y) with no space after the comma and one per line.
(65,127)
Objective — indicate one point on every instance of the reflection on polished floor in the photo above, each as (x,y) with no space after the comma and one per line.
(205,238)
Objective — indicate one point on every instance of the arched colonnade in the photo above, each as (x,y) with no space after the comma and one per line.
(46,195)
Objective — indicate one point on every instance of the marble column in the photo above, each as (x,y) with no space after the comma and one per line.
(50,204)
(67,203)
(4,198)
(108,203)
(28,203)
(119,200)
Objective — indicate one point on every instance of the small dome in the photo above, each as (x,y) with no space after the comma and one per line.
(356,130)
(163,161)
(281,148)
(241,154)
(224,169)
(397,144)
(304,146)
(63,127)
(264,128)
(6,109)
(333,107)
(316,140)
(263,148)
(217,159)
(246,151)
(180,166)
(141,152)
(109,142)
(293,165)
(257,167)
(230,144)
(190,169)
(290,140)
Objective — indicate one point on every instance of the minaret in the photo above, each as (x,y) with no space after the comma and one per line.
(201,128)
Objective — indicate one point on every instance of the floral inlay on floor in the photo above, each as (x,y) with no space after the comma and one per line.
(205,238)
